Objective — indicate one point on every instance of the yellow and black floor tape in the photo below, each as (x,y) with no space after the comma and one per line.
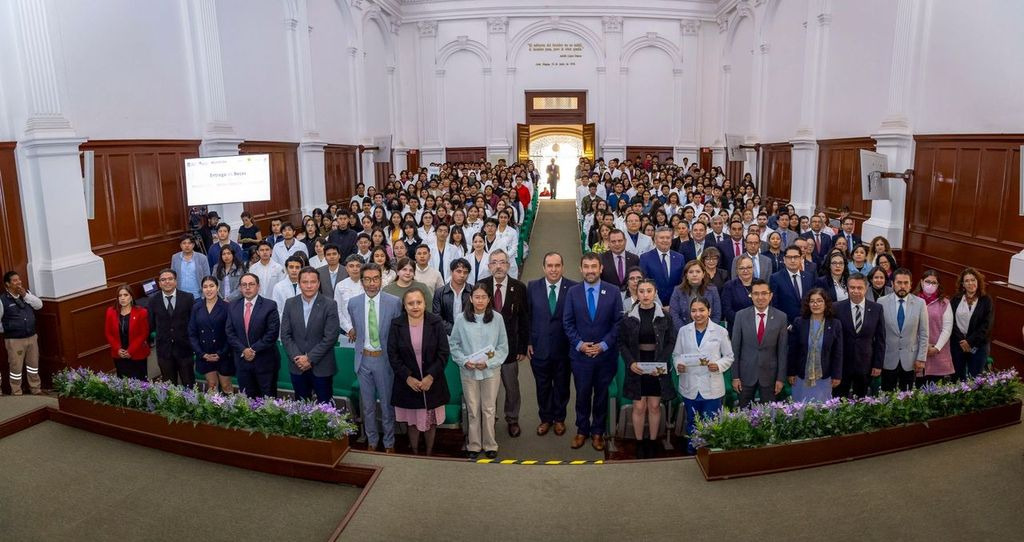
(536,462)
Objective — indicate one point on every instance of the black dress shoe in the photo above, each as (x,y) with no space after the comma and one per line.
(491,454)
(513,429)
(473,456)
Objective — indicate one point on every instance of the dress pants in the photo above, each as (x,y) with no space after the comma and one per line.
(131,368)
(307,383)
(23,354)
(897,378)
(481,401)
(178,370)
(767,393)
(853,385)
(510,381)
(552,377)
(699,406)
(255,383)
(592,377)
(375,382)
(966,364)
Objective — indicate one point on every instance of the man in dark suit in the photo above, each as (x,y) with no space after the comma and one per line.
(616,262)
(553,177)
(762,263)
(344,237)
(863,339)
(760,344)
(169,313)
(449,300)
(662,265)
(309,329)
(549,347)
(593,311)
(732,246)
(852,239)
(332,273)
(252,329)
(790,285)
(509,298)
(694,247)
(821,241)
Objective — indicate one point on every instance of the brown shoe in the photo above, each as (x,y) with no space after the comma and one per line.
(598,442)
(513,429)
(577,441)
(543,429)
(559,428)
(389,451)
(37,392)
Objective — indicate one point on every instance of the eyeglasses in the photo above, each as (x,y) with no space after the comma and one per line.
(371,280)
(745,268)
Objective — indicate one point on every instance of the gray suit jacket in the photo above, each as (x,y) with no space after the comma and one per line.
(315,339)
(763,363)
(389,307)
(766,267)
(904,347)
(326,286)
(202,266)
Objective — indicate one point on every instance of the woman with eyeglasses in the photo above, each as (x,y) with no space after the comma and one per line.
(815,350)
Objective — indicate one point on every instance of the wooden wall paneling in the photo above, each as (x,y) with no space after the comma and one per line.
(71,329)
(465,154)
(13,248)
(776,176)
(556,116)
(706,156)
(839,176)
(383,170)
(734,172)
(963,204)
(284,202)
(663,153)
(341,171)
(412,161)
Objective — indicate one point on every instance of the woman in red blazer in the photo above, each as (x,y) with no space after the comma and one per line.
(127,329)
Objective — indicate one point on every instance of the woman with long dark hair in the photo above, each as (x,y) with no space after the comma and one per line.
(974,315)
(127,331)
(815,349)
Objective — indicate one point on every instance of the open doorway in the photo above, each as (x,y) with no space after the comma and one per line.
(563,145)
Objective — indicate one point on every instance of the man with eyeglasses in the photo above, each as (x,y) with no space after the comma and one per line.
(252,328)
(169,312)
(790,285)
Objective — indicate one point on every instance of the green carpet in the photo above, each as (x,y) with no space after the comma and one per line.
(61,483)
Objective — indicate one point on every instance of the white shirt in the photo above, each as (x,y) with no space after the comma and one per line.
(282,253)
(643,244)
(558,288)
(283,290)
(270,274)
(757,318)
(504,290)
(343,293)
(316,262)
(853,312)
(964,312)
(799,281)
(457,300)
(366,321)
(840,290)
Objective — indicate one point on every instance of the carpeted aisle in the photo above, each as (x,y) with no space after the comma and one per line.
(11,406)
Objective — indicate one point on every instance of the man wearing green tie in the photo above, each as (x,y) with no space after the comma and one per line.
(371,313)
(549,348)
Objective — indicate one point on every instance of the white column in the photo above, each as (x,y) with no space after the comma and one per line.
(400,160)
(498,143)
(895,136)
(613,125)
(804,189)
(61,260)
(718,157)
(369,168)
(427,92)
(312,177)
(688,79)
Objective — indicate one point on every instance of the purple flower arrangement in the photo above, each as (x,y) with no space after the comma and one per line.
(269,416)
(782,422)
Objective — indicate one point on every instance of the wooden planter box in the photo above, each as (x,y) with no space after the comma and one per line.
(722,465)
(319,452)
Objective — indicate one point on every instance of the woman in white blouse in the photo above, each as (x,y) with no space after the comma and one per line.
(702,354)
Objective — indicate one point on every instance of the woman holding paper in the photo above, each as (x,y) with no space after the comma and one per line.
(479,345)
(702,354)
(645,338)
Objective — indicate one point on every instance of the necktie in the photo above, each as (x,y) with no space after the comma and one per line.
(664,263)
(858,318)
(757,266)
(849,243)
(760,327)
(552,299)
(170,305)
(247,316)
(698,248)
(737,248)
(796,286)
(295,289)
(622,269)
(373,333)
(901,316)
(498,301)
(591,303)
(817,242)
(440,263)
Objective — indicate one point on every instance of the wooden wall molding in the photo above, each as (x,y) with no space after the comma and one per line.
(412,161)
(13,247)
(839,176)
(341,172)
(465,154)
(663,153)
(284,200)
(776,178)
(556,116)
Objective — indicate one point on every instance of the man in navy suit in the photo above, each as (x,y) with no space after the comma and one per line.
(790,285)
(699,240)
(252,327)
(663,265)
(732,246)
(863,338)
(822,241)
(549,347)
(852,240)
(616,261)
(593,311)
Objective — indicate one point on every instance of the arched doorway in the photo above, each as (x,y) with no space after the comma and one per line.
(564,145)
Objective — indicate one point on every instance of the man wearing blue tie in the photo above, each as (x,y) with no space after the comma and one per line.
(663,265)
(593,310)
(852,240)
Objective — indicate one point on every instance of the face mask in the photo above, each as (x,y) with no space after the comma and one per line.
(929,289)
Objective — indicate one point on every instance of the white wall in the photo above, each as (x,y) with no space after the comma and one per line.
(329,44)
(649,95)
(740,59)
(785,35)
(465,115)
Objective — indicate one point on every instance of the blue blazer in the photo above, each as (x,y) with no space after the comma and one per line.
(264,326)
(826,246)
(604,327)
(650,264)
(547,334)
(831,348)
(784,297)
(207,331)
(726,247)
(734,299)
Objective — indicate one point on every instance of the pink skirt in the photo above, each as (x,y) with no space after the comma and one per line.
(421,418)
